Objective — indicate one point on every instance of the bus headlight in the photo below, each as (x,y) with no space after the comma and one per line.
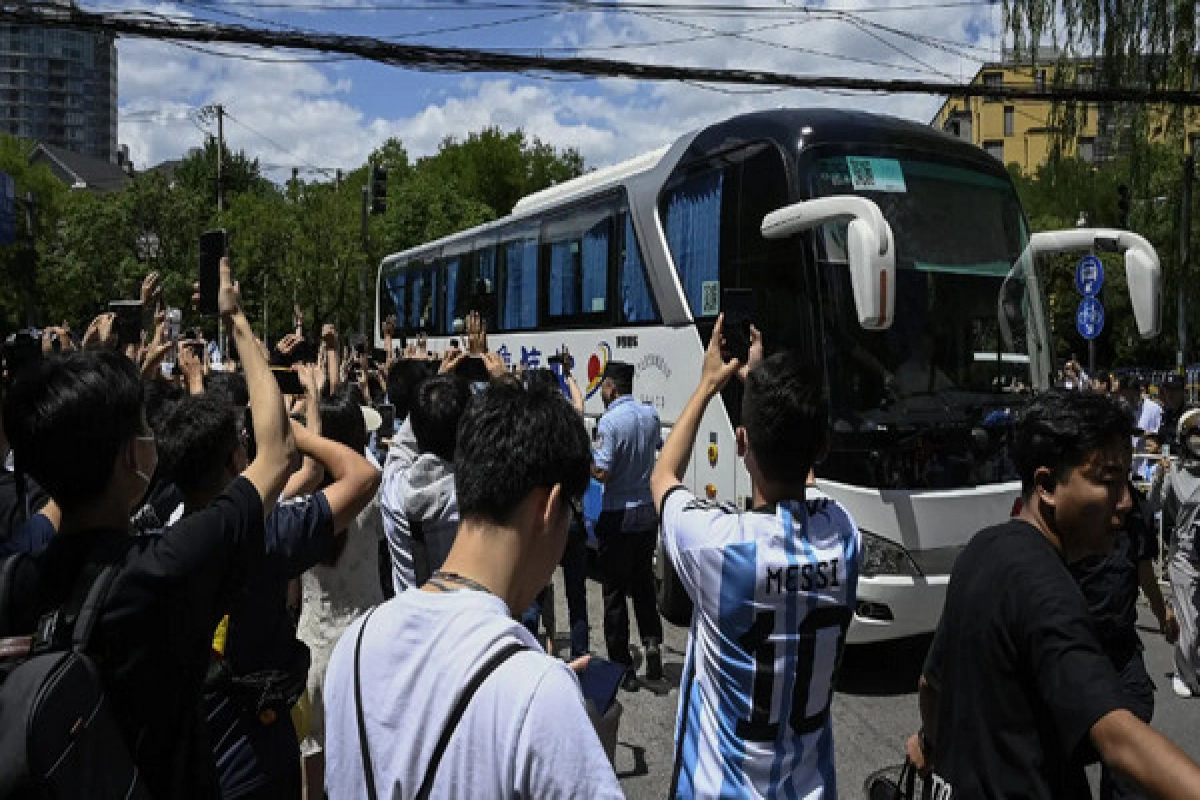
(881,557)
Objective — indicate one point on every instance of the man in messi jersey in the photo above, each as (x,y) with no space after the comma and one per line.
(773,589)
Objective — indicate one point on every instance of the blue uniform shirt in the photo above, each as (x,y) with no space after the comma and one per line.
(629,436)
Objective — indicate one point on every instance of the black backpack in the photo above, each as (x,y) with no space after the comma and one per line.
(58,735)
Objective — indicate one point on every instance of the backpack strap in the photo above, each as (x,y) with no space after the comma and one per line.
(92,607)
(8,578)
(363,745)
(502,655)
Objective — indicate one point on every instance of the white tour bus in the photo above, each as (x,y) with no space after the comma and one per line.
(896,256)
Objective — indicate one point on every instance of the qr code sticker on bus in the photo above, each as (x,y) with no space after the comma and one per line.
(710,298)
(863,175)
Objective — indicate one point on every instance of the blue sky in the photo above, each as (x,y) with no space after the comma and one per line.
(288,109)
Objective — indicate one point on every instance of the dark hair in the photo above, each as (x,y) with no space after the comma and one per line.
(544,378)
(197,441)
(67,417)
(160,398)
(403,378)
(342,420)
(1061,428)
(786,416)
(436,410)
(229,385)
(512,440)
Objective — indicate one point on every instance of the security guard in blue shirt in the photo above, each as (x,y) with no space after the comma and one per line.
(628,437)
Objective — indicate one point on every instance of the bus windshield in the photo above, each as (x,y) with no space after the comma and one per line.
(929,402)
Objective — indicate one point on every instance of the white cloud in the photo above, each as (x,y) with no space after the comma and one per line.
(329,115)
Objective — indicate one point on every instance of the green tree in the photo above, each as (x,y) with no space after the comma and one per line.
(1147,43)
(1056,195)
(21,263)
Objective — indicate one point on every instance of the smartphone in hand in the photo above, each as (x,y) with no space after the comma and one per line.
(128,321)
(213,247)
(288,380)
(738,307)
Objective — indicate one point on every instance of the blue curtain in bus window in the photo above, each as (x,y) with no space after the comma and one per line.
(694,236)
(417,284)
(487,270)
(451,294)
(595,269)
(564,282)
(520,295)
(395,286)
(637,303)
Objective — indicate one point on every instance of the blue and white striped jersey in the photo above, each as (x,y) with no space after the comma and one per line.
(774,593)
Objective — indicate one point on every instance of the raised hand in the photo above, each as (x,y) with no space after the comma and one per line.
(288,344)
(755,355)
(451,361)
(716,371)
(495,364)
(229,298)
(151,292)
(476,334)
(101,334)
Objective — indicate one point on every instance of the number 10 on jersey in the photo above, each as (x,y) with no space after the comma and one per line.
(757,641)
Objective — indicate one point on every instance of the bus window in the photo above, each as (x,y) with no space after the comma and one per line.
(394,296)
(637,302)
(563,295)
(578,271)
(423,285)
(451,275)
(520,292)
(692,215)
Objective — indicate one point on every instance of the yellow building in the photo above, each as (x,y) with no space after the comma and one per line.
(1021,132)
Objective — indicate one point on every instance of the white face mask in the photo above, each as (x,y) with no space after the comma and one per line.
(149,474)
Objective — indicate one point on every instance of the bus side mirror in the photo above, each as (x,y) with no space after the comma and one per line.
(1143,275)
(870,249)
(1143,271)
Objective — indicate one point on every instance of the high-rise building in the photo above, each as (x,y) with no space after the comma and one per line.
(60,87)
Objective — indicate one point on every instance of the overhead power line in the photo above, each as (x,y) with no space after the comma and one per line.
(456,59)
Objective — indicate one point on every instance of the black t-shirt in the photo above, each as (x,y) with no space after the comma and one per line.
(299,534)
(13,510)
(1110,583)
(154,637)
(1020,676)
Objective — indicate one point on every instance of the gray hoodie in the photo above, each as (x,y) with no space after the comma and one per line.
(430,501)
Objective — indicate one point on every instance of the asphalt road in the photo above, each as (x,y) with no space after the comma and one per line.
(874,708)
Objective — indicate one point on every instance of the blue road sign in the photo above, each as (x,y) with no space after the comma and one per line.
(1089,276)
(1089,318)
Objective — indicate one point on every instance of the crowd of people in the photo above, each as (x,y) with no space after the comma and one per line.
(327,573)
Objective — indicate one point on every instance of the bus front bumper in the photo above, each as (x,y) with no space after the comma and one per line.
(894,607)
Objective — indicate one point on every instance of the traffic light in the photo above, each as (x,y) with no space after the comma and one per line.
(378,189)
(1123,206)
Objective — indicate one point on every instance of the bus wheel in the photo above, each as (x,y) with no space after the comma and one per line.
(673,602)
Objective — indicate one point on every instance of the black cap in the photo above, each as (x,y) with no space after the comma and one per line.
(619,371)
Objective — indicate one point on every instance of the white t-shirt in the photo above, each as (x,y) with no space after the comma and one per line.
(1150,415)
(774,591)
(525,733)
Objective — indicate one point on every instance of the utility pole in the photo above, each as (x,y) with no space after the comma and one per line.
(362,273)
(266,304)
(220,154)
(1185,252)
